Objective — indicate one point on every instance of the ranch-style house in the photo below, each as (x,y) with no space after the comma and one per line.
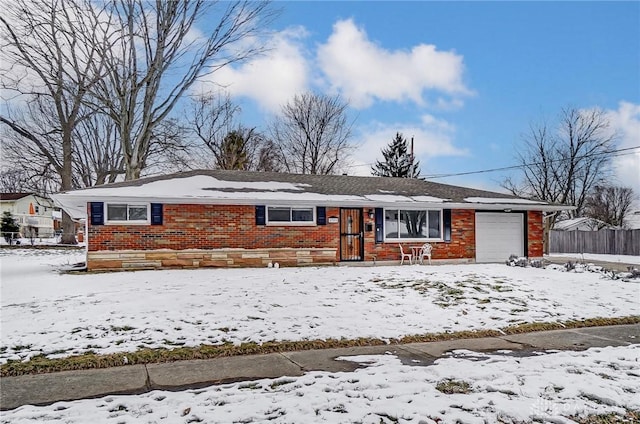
(221,218)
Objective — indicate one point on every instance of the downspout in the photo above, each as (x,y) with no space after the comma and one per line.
(86,243)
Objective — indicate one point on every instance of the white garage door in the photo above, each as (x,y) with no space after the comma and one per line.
(498,235)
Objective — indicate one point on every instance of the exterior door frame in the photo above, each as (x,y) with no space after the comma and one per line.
(353,236)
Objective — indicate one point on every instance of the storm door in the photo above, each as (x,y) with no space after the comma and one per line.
(351,235)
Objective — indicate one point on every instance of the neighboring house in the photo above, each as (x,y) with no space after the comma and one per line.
(32,213)
(632,221)
(581,224)
(238,218)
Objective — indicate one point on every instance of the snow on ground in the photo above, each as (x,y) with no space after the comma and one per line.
(50,242)
(44,311)
(545,387)
(625,259)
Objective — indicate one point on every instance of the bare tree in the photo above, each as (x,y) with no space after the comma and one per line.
(97,156)
(214,123)
(312,134)
(51,57)
(36,161)
(171,149)
(14,181)
(609,204)
(211,117)
(154,59)
(268,157)
(562,164)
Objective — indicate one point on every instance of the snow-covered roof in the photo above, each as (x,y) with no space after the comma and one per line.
(632,221)
(502,200)
(581,223)
(270,188)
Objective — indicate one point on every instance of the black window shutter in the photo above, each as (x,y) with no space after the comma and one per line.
(446,218)
(321,215)
(156,214)
(379,225)
(261,218)
(97,213)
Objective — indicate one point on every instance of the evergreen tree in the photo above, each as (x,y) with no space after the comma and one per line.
(8,226)
(233,151)
(398,161)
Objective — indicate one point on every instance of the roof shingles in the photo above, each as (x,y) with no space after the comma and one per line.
(330,184)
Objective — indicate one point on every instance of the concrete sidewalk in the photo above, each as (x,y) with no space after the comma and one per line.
(134,379)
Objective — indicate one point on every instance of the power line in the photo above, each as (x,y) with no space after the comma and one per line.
(616,153)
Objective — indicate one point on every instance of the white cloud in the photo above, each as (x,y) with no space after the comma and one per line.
(626,122)
(270,79)
(364,72)
(349,63)
(432,137)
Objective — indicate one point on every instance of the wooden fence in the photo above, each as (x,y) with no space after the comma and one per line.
(607,242)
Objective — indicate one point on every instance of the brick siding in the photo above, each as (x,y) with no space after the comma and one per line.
(220,235)
(461,246)
(535,229)
(210,227)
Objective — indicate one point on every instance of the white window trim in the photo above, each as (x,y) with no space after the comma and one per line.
(414,240)
(108,221)
(311,223)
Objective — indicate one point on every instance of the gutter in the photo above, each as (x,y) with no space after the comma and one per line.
(78,203)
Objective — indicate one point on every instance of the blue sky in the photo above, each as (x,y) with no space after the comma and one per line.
(465,79)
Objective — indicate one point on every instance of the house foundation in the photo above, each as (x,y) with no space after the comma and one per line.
(218,258)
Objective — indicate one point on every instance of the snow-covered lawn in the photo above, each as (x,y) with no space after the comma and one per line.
(44,311)
(625,259)
(497,387)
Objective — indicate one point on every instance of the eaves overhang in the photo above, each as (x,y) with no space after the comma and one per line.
(76,205)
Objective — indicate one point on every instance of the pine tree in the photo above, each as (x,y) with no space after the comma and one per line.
(233,151)
(398,161)
(8,226)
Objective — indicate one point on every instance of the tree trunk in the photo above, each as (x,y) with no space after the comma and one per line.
(132,173)
(68,229)
(68,226)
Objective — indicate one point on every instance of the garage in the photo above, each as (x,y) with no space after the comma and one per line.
(499,235)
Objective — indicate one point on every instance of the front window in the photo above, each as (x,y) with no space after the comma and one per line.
(288,215)
(123,212)
(407,224)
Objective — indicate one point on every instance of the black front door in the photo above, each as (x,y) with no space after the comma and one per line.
(351,234)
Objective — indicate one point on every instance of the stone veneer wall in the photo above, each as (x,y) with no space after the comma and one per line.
(193,258)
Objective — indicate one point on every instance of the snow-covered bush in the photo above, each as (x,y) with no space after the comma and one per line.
(537,263)
(515,260)
(632,273)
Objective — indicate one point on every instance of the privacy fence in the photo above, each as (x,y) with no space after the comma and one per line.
(607,242)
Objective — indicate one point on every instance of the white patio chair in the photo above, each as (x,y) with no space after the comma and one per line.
(425,252)
(405,255)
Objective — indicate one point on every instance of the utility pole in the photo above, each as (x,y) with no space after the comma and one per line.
(411,150)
